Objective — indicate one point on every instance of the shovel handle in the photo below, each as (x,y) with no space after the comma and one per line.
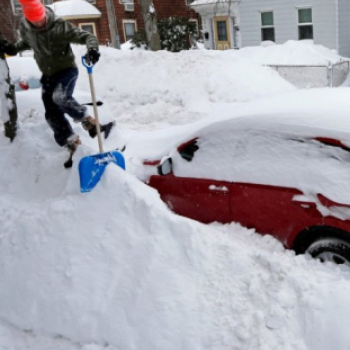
(89,66)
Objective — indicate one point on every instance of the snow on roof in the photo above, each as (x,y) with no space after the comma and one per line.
(75,9)
(207,2)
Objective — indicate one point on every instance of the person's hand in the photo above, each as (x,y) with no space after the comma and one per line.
(93,55)
(4,45)
(7,48)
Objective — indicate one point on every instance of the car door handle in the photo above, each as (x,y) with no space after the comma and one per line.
(303,202)
(218,188)
(307,205)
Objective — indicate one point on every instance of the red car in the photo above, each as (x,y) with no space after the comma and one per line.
(278,175)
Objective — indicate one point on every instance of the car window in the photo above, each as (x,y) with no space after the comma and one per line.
(188,149)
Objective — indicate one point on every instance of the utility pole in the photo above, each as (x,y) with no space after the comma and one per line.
(150,22)
(8,112)
(113,25)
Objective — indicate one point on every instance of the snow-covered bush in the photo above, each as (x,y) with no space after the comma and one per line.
(139,39)
(175,33)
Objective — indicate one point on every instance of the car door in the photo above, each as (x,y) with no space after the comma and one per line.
(199,199)
(272,210)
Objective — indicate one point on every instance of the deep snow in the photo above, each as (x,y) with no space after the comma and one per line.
(115,269)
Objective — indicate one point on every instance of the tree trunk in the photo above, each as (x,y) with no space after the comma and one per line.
(113,26)
(150,22)
(10,122)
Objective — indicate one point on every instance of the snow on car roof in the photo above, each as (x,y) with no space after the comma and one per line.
(326,124)
(272,151)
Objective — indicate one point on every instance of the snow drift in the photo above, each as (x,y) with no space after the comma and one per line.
(116,267)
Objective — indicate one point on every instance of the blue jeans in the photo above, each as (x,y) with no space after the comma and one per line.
(57,91)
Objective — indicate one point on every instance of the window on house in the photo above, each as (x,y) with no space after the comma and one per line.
(267,26)
(305,26)
(189,2)
(88,27)
(221,30)
(129,5)
(129,29)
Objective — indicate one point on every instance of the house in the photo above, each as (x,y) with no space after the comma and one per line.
(220,20)
(129,17)
(230,24)
(80,13)
(8,20)
(92,15)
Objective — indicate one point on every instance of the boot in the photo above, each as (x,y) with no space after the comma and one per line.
(89,124)
(73,143)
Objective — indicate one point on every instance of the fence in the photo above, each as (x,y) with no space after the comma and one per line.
(306,77)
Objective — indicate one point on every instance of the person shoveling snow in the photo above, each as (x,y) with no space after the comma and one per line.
(50,38)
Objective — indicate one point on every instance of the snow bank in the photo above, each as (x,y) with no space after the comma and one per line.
(117,267)
(303,52)
(146,89)
(23,66)
(177,88)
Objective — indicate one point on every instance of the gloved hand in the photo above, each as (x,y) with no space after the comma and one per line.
(4,44)
(93,55)
(7,48)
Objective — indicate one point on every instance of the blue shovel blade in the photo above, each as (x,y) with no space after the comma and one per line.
(91,168)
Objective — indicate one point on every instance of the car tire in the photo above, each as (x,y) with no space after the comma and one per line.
(330,249)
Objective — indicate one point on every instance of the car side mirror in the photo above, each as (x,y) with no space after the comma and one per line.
(165,167)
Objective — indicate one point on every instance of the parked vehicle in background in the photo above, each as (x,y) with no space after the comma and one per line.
(277,174)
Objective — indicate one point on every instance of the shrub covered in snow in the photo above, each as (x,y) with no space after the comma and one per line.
(175,32)
(140,39)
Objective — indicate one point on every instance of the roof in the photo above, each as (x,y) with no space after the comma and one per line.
(208,2)
(75,9)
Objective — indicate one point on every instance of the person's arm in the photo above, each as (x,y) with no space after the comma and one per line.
(21,45)
(75,35)
(15,48)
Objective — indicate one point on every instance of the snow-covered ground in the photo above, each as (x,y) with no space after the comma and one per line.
(115,269)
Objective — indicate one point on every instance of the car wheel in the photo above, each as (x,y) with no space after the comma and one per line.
(330,249)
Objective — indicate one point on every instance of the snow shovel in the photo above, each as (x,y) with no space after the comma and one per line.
(91,168)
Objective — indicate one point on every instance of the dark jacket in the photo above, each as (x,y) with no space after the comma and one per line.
(51,45)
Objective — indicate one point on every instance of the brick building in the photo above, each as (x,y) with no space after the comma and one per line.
(127,12)
(8,20)
(129,17)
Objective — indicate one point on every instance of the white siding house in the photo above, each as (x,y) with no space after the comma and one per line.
(240,23)
(220,23)
(343,26)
